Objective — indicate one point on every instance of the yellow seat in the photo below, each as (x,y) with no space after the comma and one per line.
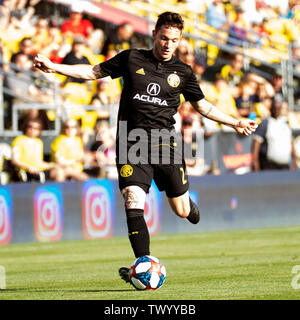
(59,77)
(88,120)
(51,115)
(96,58)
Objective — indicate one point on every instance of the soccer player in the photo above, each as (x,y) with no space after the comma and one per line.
(153,82)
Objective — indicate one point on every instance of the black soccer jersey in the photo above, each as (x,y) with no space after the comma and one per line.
(152,88)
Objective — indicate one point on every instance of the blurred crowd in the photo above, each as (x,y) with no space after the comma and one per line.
(87,109)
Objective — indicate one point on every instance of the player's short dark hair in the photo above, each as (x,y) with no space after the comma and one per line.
(172,19)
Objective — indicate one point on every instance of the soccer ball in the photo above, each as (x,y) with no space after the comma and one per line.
(147,273)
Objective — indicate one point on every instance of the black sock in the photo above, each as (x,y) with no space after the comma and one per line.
(194,216)
(138,232)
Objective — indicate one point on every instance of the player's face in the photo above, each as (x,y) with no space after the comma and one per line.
(166,41)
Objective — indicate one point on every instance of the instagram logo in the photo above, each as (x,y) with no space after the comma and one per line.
(48,214)
(97,209)
(5,217)
(152,210)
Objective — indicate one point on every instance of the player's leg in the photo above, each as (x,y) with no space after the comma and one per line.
(180,205)
(134,183)
(173,180)
(184,207)
(134,197)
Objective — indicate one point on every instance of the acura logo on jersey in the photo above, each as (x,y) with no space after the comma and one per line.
(153,89)
(145,98)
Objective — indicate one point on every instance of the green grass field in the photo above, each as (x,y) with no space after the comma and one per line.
(242,264)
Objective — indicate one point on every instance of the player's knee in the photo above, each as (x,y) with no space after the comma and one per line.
(134,197)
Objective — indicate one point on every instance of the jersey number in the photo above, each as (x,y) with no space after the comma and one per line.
(184,181)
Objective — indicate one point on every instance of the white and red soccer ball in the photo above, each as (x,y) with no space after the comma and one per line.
(147,273)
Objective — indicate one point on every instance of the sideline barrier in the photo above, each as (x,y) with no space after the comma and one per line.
(228,150)
(32,212)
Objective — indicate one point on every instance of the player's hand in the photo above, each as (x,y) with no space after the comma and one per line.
(246,127)
(43,63)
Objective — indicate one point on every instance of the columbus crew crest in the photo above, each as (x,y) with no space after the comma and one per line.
(173,80)
(126,171)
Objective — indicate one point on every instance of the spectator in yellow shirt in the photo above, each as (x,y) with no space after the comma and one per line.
(27,153)
(68,153)
(233,73)
(220,95)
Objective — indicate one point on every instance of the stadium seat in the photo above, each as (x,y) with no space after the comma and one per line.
(59,77)
(96,58)
(88,120)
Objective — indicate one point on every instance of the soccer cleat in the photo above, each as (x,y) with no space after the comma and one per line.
(194,216)
(124,274)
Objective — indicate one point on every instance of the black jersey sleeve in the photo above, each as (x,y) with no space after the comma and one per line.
(116,66)
(192,90)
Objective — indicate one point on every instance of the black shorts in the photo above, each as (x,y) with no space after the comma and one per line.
(164,163)
(170,178)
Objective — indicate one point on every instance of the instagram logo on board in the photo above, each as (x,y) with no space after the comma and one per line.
(48,213)
(5,217)
(98,211)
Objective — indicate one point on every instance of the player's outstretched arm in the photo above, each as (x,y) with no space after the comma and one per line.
(81,71)
(244,126)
